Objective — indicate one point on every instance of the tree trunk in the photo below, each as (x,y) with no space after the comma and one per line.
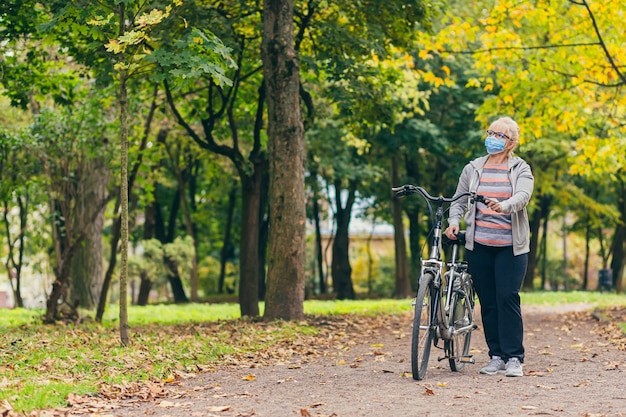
(176,283)
(165,233)
(87,266)
(145,281)
(415,247)
(318,245)
(286,154)
(227,246)
(403,284)
(13,267)
(617,247)
(264,232)
(190,227)
(123,103)
(59,289)
(587,254)
(319,252)
(144,290)
(413,213)
(249,246)
(617,260)
(340,267)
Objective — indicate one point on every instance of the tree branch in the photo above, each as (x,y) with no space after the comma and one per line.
(209,143)
(520,48)
(601,40)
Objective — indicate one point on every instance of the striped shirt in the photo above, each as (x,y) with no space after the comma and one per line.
(493,228)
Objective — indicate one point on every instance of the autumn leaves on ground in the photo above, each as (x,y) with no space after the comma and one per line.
(328,364)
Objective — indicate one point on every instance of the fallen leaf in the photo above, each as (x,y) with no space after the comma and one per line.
(304,413)
(218,408)
(442,384)
(611,366)
(428,391)
(528,407)
(249,377)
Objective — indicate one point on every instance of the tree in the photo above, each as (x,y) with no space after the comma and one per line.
(287,153)
(65,144)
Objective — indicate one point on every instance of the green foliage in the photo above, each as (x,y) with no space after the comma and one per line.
(200,53)
(149,263)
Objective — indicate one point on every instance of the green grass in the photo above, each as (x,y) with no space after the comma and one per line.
(553,298)
(43,364)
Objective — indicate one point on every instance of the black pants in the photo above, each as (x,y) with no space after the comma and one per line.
(498,276)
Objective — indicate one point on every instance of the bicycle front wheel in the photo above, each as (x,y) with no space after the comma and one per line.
(423,329)
(458,346)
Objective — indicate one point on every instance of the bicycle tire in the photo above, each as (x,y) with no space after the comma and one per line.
(459,345)
(422,333)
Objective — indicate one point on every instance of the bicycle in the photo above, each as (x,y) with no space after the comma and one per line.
(444,305)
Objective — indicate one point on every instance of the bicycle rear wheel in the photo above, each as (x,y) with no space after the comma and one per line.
(458,346)
(422,335)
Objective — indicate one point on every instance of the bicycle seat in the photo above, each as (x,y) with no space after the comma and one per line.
(460,240)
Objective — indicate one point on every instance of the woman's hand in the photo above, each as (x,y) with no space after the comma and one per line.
(494,205)
(452,231)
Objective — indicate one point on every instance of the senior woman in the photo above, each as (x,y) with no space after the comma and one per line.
(497,241)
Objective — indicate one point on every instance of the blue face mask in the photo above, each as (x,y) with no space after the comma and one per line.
(494,145)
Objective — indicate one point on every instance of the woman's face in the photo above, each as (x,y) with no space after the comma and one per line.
(502,133)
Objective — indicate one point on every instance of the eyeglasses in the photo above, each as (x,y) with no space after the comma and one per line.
(498,135)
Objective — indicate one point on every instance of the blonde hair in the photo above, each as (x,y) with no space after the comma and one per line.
(507,126)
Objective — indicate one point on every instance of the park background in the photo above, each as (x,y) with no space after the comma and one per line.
(388,92)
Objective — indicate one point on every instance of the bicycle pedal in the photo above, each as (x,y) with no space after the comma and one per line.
(467,359)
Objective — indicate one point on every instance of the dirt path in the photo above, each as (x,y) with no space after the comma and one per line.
(571,369)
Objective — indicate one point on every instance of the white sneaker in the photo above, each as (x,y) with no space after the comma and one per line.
(495,364)
(514,368)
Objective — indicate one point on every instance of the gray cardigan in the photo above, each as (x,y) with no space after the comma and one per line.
(522,181)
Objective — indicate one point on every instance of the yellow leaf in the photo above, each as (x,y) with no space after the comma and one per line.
(442,384)
(249,378)
(114,46)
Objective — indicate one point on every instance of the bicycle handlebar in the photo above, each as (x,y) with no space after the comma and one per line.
(408,189)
